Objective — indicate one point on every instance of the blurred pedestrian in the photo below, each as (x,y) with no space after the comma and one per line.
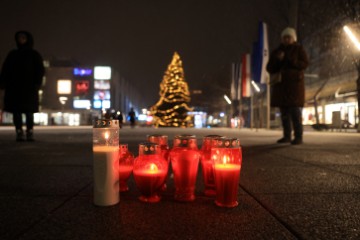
(120,118)
(132,117)
(107,114)
(21,77)
(286,67)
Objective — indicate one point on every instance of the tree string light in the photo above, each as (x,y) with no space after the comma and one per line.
(172,108)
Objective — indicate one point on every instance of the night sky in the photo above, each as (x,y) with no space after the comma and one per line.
(138,38)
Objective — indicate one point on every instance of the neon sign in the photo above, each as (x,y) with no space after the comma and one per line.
(82,71)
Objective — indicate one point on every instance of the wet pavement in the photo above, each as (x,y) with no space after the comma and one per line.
(310,191)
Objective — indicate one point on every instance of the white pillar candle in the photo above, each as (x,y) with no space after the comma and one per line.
(106,175)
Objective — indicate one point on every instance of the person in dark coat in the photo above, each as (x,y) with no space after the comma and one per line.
(21,77)
(288,93)
(132,117)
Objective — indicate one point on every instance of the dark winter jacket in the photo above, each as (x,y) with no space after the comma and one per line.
(290,92)
(21,77)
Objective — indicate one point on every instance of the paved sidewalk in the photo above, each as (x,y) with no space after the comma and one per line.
(310,191)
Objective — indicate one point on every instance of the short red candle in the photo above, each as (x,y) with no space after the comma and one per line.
(124,172)
(149,182)
(150,170)
(126,161)
(162,140)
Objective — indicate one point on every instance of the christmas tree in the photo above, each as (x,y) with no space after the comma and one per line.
(172,107)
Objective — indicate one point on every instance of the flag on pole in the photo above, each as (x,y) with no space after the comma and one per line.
(245,76)
(263,41)
(235,83)
(261,56)
(238,80)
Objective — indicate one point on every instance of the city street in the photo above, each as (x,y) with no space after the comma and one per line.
(310,191)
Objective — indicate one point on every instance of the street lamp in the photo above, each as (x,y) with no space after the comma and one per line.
(227,99)
(352,37)
(256,87)
(356,42)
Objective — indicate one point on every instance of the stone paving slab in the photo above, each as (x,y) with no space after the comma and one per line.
(287,192)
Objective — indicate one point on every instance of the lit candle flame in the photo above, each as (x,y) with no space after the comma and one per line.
(153,167)
(106,135)
(225,159)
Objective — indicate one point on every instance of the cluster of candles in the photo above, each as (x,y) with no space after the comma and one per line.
(220,158)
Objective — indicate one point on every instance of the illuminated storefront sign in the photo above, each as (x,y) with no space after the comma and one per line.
(102,84)
(82,72)
(106,104)
(102,73)
(101,104)
(102,95)
(64,86)
(84,104)
(97,104)
(82,87)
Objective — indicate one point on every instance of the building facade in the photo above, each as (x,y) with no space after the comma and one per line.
(73,94)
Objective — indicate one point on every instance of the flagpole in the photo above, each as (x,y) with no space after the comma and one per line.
(252,111)
(268,108)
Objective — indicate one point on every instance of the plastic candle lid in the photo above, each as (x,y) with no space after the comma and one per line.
(227,143)
(148,148)
(158,138)
(106,123)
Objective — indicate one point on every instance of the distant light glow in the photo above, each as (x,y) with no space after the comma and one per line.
(227,99)
(352,37)
(255,86)
(64,86)
(82,72)
(222,114)
(142,117)
(102,73)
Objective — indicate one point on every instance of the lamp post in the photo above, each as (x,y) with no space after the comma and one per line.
(356,43)
(228,113)
(256,90)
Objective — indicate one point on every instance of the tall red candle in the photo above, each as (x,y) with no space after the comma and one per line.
(207,165)
(185,160)
(227,165)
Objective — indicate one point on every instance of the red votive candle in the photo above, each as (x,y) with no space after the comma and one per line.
(208,165)
(161,140)
(150,170)
(185,160)
(126,162)
(227,165)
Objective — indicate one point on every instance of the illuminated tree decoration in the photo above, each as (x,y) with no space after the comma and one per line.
(172,107)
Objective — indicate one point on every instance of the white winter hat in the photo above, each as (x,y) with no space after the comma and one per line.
(289,32)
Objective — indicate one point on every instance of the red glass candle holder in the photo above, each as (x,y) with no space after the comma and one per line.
(207,165)
(185,160)
(126,162)
(161,140)
(227,159)
(150,170)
